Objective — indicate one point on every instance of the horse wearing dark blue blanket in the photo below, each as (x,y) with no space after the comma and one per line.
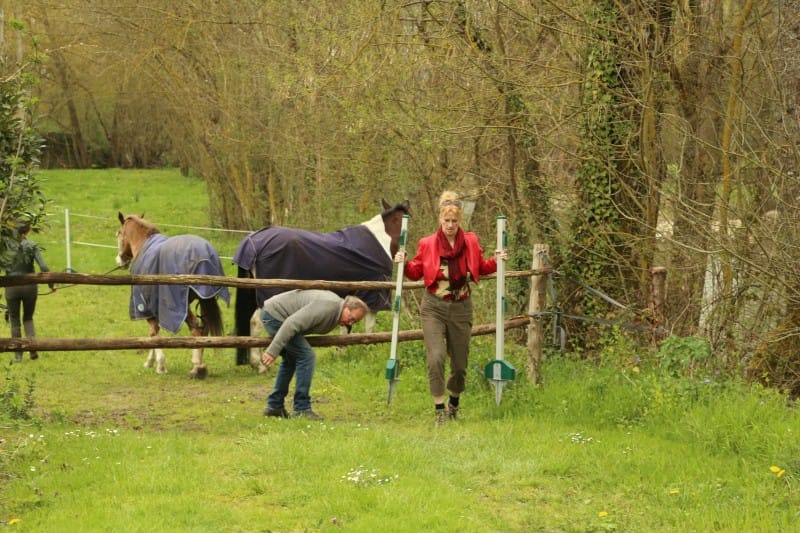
(363,252)
(146,251)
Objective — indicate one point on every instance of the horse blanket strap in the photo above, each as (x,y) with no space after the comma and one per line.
(182,254)
(349,254)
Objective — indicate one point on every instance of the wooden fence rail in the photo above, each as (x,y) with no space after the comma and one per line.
(76,344)
(44,344)
(190,279)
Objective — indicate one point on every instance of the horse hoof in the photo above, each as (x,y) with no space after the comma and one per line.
(161,371)
(200,372)
(148,364)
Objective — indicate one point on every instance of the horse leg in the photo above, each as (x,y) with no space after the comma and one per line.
(245,304)
(256,329)
(199,370)
(155,355)
(369,321)
(161,358)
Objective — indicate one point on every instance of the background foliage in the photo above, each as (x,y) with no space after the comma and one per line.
(624,135)
(21,200)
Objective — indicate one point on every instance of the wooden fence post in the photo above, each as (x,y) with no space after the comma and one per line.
(536,304)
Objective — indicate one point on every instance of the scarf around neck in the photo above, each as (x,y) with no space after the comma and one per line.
(456,258)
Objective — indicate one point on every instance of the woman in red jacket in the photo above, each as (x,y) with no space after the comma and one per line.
(448,260)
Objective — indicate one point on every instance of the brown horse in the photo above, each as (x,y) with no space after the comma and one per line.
(143,248)
(363,252)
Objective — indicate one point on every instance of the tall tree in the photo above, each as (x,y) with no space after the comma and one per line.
(20,146)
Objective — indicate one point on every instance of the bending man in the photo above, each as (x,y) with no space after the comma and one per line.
(288,317)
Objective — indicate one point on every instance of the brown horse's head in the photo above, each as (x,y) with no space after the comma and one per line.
(393,221)
(132,233)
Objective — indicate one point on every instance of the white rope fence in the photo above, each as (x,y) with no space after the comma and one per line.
(70,242)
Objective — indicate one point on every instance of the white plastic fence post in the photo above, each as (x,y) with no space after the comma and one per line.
(392,365)
(67,239)
(501,290)
(499,371)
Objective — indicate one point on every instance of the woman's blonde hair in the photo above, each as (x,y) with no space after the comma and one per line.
(450,204)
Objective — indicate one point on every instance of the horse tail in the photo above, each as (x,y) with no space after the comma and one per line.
(212,316)
(245,306)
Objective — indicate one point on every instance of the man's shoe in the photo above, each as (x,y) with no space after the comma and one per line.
(440,418)
(308,413)
(279,413)
(452,411)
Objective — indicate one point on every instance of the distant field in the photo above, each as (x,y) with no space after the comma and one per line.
(175,203)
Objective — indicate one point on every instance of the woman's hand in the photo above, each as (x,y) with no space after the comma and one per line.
(501,254)
(400,256)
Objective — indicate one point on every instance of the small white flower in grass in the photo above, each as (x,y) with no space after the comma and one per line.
(579,438)
(362,476)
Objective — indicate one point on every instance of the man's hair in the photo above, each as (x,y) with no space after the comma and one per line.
(354,302)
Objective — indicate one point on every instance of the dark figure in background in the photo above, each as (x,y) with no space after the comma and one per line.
(24,296)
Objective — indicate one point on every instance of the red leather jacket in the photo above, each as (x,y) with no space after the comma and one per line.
(427,261)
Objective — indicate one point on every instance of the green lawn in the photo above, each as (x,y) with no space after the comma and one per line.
(104,444)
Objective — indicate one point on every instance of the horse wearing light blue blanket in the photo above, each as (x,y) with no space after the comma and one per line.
(145,250)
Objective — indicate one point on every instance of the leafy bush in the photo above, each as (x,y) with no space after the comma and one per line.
(20,146)
(683,355)
(16,403)
(775,362)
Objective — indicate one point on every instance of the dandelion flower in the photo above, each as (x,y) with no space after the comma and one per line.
(674,491)
(601,514)
(14,521)
(775,469)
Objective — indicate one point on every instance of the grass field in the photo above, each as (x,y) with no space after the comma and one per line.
(92,441)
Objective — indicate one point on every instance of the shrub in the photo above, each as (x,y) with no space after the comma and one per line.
(683,355)
(16,403)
